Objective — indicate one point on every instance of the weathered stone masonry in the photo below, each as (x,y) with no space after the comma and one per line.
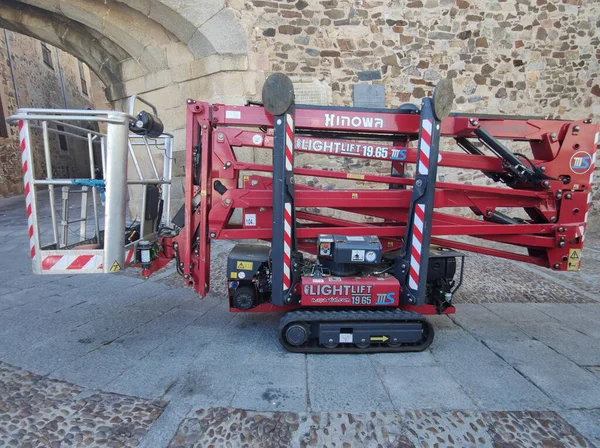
(506,56)
(513,57)
(39,85)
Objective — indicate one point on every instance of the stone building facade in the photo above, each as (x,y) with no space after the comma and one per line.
(536,57)
(521,57)
(34,74)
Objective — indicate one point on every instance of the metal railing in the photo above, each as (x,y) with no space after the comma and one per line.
(109,152)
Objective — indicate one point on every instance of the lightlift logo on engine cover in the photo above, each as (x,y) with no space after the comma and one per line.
(350,293)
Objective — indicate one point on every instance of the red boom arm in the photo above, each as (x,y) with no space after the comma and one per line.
(223,146)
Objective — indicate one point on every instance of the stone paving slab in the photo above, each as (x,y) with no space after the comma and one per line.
(572,316)
(489,381)
(531,322)
(281,387)
(414,388)
(46,355)
(568,384)
(345,383)
(239,428)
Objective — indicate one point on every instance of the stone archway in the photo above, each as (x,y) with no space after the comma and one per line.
(137,47)
(166,50)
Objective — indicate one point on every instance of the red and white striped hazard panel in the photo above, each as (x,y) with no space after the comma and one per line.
(417,239)
(419,212)
(76,261)
(289,145)
(424,146)
(589,198)
(287,247)
(27,185)
(287,214)
(72,262)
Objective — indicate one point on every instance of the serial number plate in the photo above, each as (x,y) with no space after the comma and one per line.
(346,338)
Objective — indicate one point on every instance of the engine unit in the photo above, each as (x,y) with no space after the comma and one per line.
(350,249)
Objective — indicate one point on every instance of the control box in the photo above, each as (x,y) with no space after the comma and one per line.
(350,249)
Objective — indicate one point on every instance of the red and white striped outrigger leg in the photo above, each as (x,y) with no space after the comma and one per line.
(287,234)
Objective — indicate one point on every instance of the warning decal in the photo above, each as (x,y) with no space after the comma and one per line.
(358,255)
(574,260)
(233,114)
(250,219)
(115,267)
(355,176)
(244,265)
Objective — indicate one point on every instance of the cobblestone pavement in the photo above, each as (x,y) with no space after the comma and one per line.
(38,411)
(118,360)
(240,428)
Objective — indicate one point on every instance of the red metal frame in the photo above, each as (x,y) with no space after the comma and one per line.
(558,211)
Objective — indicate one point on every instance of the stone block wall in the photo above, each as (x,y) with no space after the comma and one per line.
(527,57)
(11,180)
(535,57)
(39,85)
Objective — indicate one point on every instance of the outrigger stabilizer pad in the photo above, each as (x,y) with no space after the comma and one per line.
(443,99)
(278,94)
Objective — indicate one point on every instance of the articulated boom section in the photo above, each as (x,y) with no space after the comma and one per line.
(365,263)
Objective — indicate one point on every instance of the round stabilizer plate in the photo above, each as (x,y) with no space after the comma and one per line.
(278,93)
(443,99)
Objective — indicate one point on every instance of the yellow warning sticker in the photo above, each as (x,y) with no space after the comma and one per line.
(244,265)
(115,267)
(354,195)
(355,176)
(574,259)
(233,275)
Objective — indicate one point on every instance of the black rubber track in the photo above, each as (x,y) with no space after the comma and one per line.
(312,346)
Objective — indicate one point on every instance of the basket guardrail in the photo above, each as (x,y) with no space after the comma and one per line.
(104,242)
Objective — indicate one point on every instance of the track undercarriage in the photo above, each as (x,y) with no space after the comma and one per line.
(355,331)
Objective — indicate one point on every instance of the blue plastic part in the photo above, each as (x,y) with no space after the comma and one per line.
(99,184)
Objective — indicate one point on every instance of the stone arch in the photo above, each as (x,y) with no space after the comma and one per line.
(100,54)
(166,50)
(134,40)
